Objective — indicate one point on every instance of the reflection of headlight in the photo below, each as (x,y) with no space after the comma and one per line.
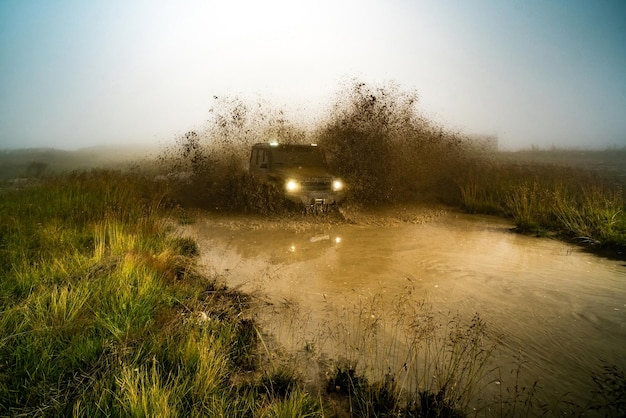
(292,186)
(337,185)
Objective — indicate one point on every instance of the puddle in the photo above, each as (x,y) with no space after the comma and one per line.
(563,309)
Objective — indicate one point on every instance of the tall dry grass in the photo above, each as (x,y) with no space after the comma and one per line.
(403,358)
(585,205)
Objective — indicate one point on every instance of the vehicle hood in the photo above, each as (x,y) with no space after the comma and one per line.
(302,173)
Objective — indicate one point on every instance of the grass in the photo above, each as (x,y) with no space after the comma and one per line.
(103,314)
(611,389)
(574,203)
(400,359)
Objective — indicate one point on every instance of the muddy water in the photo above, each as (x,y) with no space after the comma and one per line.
(563,310)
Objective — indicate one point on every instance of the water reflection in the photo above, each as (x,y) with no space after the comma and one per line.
(320,240)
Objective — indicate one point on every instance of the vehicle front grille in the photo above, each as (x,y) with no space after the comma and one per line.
(318,185)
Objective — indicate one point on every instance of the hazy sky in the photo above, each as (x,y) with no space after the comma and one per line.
(77,73)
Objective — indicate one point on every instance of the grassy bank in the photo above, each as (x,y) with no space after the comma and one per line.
(102,313)
(575,203)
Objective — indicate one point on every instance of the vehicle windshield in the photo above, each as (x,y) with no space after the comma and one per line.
(300,156)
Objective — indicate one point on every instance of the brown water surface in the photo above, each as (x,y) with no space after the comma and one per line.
(564,310)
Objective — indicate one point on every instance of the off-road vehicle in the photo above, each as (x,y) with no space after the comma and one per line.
(298,172)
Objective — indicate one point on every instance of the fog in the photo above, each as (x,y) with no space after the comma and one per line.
(78,74)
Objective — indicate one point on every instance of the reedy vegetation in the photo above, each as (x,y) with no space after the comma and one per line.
(401,359)
(573,202)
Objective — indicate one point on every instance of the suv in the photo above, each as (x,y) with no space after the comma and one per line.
(299,172)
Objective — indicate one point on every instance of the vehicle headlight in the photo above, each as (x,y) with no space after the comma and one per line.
(337,185)
(292,186)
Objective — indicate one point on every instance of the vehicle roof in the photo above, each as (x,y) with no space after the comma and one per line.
(283,146)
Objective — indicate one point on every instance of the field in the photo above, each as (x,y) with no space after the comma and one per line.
(105,313)
(21,164)
(609,162)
